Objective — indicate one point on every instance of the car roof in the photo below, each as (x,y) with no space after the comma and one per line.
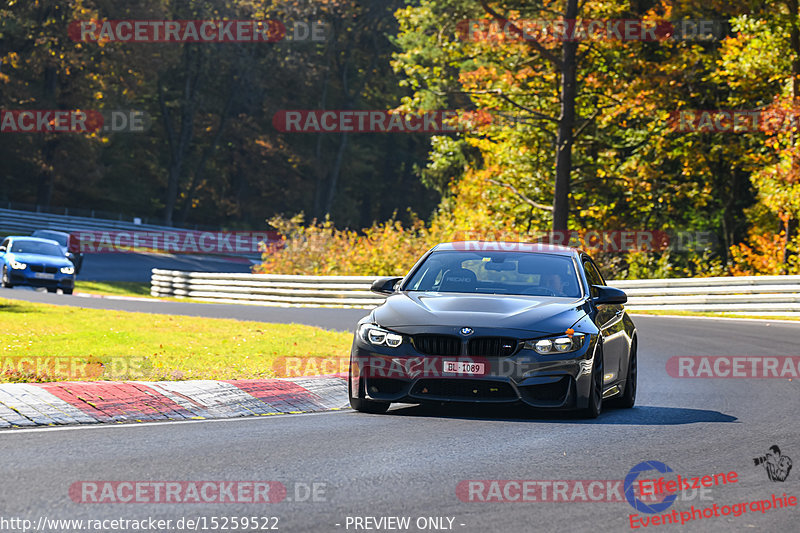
(506,246)
(35,239)
(57,232)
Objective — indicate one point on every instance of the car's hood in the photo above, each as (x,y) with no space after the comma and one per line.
(38,259)
(531,313)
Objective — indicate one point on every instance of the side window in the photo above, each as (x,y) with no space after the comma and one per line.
(429,279)
(592,274)
(597,271)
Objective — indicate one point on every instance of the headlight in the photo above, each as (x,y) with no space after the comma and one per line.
(379,337)
(16,265)
(553,345)
(68,270)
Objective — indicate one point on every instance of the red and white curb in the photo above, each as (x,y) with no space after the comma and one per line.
(92,402)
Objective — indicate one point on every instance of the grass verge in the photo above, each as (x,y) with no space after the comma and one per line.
(44,342)
(114,288)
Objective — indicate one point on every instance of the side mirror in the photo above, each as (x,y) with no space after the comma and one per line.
(384,285)
(2,249)
(608,295)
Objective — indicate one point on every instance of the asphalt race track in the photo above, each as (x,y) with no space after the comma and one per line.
(137,266)
(409,462)
(329,318)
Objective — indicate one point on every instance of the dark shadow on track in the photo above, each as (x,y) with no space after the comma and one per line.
(646,415)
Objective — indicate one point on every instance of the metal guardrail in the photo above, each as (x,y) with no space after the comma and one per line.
(98,214)
(267,289)
(764,295)
(29,221)
(15,221)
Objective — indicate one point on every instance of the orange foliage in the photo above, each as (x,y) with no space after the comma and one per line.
(764,256)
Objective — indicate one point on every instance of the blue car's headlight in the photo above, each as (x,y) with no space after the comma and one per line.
(556,345)
(378,336)
(16,265)
(68,270)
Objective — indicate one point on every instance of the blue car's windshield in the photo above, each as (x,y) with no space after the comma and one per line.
(35,247)
(497,273)
(60,238)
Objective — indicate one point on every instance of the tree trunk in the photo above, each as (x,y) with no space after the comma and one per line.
(566,123)
(337,167)
(794,43)
(199,172)
(178,143)
(44,190)
(320,170)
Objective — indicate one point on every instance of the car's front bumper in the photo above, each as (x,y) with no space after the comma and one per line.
(560,381)
(33,279)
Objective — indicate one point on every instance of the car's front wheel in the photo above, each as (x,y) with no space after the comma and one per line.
(67,291)
(595,406)
(360,403)
(6,279)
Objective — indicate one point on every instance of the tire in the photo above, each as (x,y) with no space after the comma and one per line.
(628,398)
(6,282)
(67,291)
(595,406)
(52,289)
(363,405)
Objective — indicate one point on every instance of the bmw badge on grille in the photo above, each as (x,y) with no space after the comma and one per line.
(467,331)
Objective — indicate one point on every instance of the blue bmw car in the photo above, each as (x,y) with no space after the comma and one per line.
(36,263)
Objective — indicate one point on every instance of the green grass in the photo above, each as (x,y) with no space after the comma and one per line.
(69,343)
(114,288)
(717,315)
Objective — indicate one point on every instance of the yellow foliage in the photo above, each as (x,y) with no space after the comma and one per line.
(387,248)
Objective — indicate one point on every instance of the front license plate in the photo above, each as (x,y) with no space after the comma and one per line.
(464,367)
(44,275)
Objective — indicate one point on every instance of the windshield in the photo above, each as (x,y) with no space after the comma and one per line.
(60,238)
(35,247)
(497,273)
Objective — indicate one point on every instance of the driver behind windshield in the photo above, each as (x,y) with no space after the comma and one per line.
(553,282)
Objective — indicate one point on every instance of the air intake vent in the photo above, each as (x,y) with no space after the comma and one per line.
(437,344)
(492,346)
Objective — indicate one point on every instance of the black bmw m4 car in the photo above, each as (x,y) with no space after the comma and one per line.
(491,322)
